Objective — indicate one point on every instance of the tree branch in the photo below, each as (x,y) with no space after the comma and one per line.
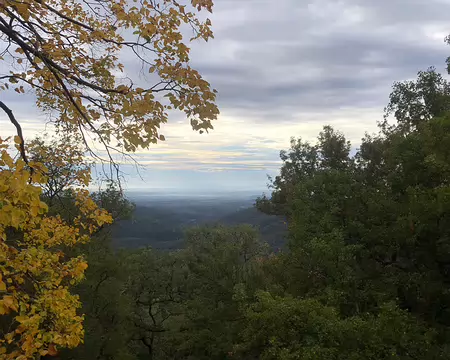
(13,120)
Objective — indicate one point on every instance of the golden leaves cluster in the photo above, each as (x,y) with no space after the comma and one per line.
(69,52)
(38,313)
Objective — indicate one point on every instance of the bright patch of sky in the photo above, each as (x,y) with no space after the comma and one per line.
(282,68)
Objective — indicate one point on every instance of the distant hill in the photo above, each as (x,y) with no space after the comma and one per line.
(272,228)
(159,221)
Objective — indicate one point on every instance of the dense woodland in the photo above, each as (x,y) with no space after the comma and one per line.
(366,274)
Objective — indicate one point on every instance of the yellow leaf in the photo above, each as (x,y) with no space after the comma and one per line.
(34,210)
(122,88)
(8,301)
(7,159)
(23,10)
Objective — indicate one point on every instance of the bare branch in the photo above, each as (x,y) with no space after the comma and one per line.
(13,120)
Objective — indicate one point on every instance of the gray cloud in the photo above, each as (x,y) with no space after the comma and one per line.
(295,56)
(281,59)
(283,68)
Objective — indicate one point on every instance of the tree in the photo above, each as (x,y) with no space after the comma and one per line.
(106,304)
(61,174)
(292,328)
(158,286)
(38,313)
(113,200)
(302,161)
(104,301)
(186,303)
(224,270)
(70,54)
(416,102)
(369,242)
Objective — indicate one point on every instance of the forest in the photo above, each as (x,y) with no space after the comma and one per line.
(363,272)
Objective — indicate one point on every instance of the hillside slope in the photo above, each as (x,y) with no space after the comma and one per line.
(160,223)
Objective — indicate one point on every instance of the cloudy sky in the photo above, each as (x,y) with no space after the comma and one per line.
(285,68)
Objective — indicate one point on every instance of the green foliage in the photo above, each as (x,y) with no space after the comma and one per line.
(414,102)
(289,328)
(366,274)
(184,304)
(104,302)
(373,229)
(112,199)
(300,162)
(106,306)
(224,268)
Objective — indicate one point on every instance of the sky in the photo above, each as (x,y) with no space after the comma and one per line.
(284,68)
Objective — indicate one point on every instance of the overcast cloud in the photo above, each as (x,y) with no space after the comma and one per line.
(284,68)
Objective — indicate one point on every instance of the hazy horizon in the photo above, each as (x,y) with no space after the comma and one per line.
(178,192)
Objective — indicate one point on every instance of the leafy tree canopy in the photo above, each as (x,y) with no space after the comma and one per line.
(72,54)
(368,234)
(37,310)
(76,57)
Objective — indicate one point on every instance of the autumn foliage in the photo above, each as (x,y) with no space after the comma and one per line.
(71,52)
(37,307)
(75,56)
